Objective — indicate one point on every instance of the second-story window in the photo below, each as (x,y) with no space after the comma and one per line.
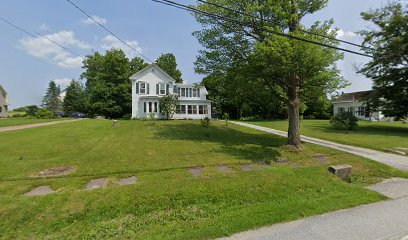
(162,88)
(142,88)
(183,92)
(194,92)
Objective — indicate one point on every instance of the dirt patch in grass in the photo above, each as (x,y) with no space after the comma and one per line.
(55,171)
(322,159)
(39,191)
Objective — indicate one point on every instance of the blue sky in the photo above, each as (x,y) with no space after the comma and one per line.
(28,64)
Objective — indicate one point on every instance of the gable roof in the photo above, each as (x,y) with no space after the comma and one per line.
(139,74)
(3,91)
(354,96)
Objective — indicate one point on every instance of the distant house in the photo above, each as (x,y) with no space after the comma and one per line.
(355,102)
(152,83)
(3,102)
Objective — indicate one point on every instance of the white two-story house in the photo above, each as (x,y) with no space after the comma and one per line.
(3,102)
(152,83)
(355,103)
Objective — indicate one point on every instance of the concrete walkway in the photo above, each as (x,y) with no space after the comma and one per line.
(34,125)
(386,220)
(393,160)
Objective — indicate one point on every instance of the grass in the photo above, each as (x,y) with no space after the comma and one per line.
(382,136)
(6,122)
(167,202)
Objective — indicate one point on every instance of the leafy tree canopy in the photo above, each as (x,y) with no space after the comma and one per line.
(75,98)
(52,100)
(388,43)
(168,63)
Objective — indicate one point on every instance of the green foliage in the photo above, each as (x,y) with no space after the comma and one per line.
(388,43)
(151,116)
(226,117)
(52,101)
(168,105)
(75,99)
(31,110)
(107,82)
(168,63)
(20,109)
(205,122)
(43,113)
(344,120)
(17,115)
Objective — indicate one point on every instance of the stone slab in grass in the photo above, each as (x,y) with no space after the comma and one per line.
(224,168)
(127,181)
(39,191)
(392,188)
(341,171)
(282,161)
(196,171)
(247,167)
(96,183)
(322,159)
(56,171)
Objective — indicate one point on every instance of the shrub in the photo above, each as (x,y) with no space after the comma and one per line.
(206,122)
(44,114)
(151,116)
(226,118)
(345,120)
(16,115)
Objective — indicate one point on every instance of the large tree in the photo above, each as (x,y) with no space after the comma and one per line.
(107,82)
(388,43)
(168,63)
(286,65)
(52,100)
(75,98)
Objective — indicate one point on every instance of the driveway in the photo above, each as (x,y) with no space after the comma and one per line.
(34,125)
(393,160)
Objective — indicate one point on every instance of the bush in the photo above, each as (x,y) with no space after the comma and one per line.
(16,115)
(345,120)
(44,114)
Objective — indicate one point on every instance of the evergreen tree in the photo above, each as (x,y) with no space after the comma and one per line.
(75,99)
(52,100)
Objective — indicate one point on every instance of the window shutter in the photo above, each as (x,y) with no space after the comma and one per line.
(148,90)
(198,92)
(137,88)
(167,89)
(157,89)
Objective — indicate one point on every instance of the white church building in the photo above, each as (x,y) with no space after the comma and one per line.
(152,83)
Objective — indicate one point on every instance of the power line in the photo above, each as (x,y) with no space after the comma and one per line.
(109,31)
(39,34)
(300,30)
(216,16)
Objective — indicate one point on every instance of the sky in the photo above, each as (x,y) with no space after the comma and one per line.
(28,64)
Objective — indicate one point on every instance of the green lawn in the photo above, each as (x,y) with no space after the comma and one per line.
(5,122)
(381,136)
(167,202)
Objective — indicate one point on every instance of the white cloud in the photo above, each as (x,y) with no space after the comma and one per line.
(44,27)
(345,34)
(109,42)
(43,48)
(100,20)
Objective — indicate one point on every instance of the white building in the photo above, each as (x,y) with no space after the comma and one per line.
(355,102)
(3,102)
(152,83)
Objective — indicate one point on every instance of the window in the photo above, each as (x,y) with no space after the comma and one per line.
(150,107)
(190,109)
(202,109)
(361,111)
(183,92)
(341,110)
(190,90)
(144,107)
(162,88)
(178,109)
(155,107)
(183,109)
(194,108)
(194,92)
(142,88)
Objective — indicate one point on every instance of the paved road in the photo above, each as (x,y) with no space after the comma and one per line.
(34,125)
(386,220)
(396,161)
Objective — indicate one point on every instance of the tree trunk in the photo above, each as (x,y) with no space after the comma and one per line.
(293,114)
(293,90)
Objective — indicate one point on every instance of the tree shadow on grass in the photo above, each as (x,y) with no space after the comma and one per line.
(256,147)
